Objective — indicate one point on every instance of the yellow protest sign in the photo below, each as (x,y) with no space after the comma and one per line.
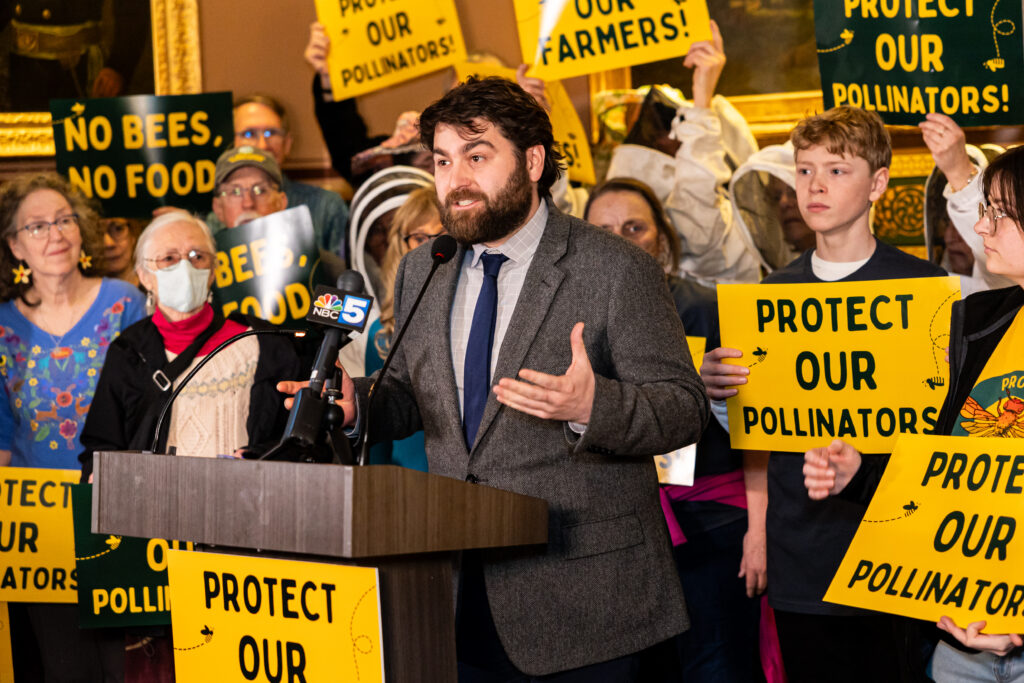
(565,38)
(861,361)
(696,345)
(939,537)
(37,539)
(247,618)
(677,467)
(565,121)
(376,44)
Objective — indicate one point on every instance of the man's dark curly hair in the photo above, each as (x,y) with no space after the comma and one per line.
(504,105)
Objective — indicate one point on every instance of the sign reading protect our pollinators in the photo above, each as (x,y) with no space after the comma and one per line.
(859,361)
(378,44)
(37,543)
(564,38)
(239,618)
(122,581)
(940,537)
(565,121)
(137,153)
(906,58)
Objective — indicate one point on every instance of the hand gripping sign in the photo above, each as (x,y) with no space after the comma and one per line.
(859,361)
(565,38)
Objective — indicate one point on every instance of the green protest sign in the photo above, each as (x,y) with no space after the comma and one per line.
(122,581)
(268,267)
(134,154)
(907,58)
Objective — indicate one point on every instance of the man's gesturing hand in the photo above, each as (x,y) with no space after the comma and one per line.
(567,397)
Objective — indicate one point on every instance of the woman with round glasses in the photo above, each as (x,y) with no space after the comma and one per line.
(232,405)
(57,320)
(986,338)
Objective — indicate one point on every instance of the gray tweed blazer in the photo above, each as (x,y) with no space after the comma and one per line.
(605,584)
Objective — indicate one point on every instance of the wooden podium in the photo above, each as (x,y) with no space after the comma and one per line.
(405,523)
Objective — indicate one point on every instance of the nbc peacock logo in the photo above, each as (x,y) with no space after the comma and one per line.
(327,301)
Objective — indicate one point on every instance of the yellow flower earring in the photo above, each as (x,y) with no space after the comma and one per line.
(21,273)
(85,260)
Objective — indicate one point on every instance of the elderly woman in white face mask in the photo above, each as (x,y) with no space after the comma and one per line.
(231,404)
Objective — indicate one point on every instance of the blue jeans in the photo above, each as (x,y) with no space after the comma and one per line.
(950,665)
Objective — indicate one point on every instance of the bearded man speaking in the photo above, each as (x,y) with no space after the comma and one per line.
(547,359)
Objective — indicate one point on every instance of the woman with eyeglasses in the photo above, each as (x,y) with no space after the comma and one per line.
(58,318)
(986,338)
(229,407)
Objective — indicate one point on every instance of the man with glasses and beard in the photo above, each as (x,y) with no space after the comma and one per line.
(563,369)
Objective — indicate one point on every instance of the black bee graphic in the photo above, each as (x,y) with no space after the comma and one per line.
(910,508)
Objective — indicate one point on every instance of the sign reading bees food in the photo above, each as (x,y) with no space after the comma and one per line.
(940,535)
(859,361)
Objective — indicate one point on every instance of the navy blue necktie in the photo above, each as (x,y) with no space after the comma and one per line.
(476,377)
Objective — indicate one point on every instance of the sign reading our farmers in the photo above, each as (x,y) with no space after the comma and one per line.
(267,267)
(940,535)
(565,121)
(37,543)
(136,153)
(906,58)
(247,618)
(378,43)
(565,38)
(859,361)
(122,581)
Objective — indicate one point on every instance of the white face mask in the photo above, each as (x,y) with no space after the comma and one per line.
(182,287)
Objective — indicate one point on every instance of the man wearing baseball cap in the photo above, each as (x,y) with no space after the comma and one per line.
(247,185)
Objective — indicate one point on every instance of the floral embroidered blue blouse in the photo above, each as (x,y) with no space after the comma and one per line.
(49,381)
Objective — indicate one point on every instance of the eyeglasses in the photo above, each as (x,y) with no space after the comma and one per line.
(41,229)
(259,192)
(197,257)
(417,238)
(253,134)
(992,213)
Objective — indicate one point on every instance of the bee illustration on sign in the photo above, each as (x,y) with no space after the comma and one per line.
(1006,421)
(760,354)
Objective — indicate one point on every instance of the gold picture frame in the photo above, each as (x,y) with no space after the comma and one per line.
(176,71)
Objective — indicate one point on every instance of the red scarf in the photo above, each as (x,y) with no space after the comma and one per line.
(178,335)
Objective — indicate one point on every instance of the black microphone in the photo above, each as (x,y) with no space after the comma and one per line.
(343,310)
(349,282)
(441,250)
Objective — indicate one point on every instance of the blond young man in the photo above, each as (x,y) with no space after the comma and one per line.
(842,167)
